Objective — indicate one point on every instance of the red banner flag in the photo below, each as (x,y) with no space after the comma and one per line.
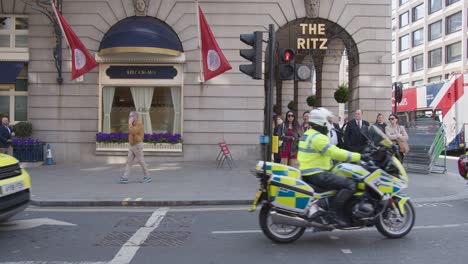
(82,61)
(214,62)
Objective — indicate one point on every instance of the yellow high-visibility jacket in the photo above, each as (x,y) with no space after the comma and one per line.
(316,153)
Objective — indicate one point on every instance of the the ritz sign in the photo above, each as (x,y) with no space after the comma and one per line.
(319,41)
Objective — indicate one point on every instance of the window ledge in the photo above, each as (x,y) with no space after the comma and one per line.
(148,149)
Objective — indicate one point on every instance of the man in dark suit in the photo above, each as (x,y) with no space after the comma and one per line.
(354,140)
(6,132)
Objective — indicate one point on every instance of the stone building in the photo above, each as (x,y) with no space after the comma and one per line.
(160,37)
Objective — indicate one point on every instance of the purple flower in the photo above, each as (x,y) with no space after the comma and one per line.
(25,141)
(120,137)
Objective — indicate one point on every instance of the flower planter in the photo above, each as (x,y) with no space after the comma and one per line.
(29,153)
(147,147)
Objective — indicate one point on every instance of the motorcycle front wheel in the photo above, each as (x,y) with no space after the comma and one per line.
(392,225)
(278,233)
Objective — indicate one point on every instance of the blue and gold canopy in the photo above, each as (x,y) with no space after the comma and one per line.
(141,34)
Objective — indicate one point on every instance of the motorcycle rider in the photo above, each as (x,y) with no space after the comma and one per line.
(315,161)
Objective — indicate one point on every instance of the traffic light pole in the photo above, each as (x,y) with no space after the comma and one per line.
(395,95)
(269,90)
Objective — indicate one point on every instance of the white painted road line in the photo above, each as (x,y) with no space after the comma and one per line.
(363,229)
(334,237)
(346,251)
(235,232)
(129,249)
(135,209)
(54,262)
(31,223)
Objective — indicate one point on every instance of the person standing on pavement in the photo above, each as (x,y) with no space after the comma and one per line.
(289,133)
(277,121)
(6,132)
(305,125)
(354,140)
(335,134)
(135,139)
(397,134)
(379,122)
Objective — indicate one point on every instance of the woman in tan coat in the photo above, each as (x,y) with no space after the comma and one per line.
(396,133)
(135,152)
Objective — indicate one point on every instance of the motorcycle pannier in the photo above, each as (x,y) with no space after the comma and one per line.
(290,194)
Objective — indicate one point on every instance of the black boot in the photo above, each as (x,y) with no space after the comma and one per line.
(340,200)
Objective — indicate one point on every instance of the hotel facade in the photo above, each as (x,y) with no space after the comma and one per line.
(148,57)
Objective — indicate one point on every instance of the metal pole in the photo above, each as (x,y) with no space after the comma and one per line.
(269,103)
(395,92)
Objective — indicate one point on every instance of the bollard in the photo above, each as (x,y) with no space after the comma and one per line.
(49,159)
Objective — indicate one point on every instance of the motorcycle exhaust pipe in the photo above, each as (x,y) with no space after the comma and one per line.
(282,219)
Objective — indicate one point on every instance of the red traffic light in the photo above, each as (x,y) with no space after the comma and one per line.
(286,55)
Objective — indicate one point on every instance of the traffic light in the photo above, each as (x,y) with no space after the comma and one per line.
(254,55)
(398,86)
(286,68)
(303,72)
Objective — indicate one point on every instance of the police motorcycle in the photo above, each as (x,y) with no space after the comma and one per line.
(290,205)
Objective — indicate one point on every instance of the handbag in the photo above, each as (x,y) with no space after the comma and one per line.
(404,147)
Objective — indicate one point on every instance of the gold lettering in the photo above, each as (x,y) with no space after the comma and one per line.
(301,43)
(312,29)
(314,42)
(321,29)
(303,28)
(323,44)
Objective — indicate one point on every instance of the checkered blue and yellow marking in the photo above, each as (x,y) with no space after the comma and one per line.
(279,170)
(288,197)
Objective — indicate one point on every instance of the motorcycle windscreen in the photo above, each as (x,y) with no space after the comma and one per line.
(290,194)
(385,184)
(379,137)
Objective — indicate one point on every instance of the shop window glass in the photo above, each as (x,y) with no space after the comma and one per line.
(21,85)
(21,23)
(21,108)
(162,113)
(21,41)
(4,106)
(4,41)
(14,32)
(5,23)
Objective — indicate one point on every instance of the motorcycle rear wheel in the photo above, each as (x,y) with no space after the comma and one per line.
(273,231)
(392,225)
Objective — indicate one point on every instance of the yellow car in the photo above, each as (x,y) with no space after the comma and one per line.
(15,187)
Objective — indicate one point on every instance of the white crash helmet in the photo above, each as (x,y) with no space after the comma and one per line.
(321,117)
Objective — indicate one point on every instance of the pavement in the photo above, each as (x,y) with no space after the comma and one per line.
(186,184)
